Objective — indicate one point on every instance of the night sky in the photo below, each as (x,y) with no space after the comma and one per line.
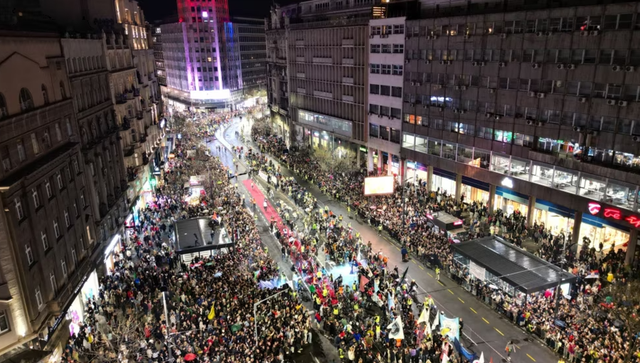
(161,9)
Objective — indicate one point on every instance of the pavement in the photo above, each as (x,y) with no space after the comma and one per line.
(484,329)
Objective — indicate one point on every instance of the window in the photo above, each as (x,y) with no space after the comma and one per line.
(374,130)
(385,90)
(374,89)
(395,135)
(386,69)
(26,101)
(69,129)
(82,203)
(45,240)
(398,48)
(374,68)
(63,92)
(386,48)
(47,187)
(75,209)
(56,228)
(29,253)
(374,108)
(396,92)
(3,107)
(397,70)
(39,300)
(67,220)
(45,95)
(398,29)
(67,173)
(6,159)
(36,198)
(375,48)
(59,180)
(58,132)
(34,144)
(396,113)
(54,283)
(21,154)
(75,166)
(74,256)
(63,267)
(19,211)
(4,322)
(46,139)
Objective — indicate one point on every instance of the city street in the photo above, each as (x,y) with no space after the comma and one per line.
(483,327)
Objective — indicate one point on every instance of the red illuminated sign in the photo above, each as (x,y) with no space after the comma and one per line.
(458,222)
(614,213)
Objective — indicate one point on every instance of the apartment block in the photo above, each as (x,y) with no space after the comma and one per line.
(530,111)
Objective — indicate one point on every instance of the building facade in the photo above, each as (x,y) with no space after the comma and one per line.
(98,130)
(385,82)
(161,73)
(250,42)
(532,112)
(47,235)
(278,73)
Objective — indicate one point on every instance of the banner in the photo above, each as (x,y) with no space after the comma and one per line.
(395,329)
(424,316)
(470,356)
(212,313)
(363,281)
(450,326)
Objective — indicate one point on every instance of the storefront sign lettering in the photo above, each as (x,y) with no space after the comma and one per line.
(614,213)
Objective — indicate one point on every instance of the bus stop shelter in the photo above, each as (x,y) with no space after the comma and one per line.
(522,270)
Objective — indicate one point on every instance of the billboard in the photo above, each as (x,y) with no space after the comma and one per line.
(378,185)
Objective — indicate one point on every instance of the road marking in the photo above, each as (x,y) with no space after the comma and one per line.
(422,268)
(450,291)
(498,331)
(440,283)
(397,248)
(475,312)
(430,275)
(530,357)
(486,321)
(462,301)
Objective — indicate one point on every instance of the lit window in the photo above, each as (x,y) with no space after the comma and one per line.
(63,266)
(36,198)
(56,229)
(67,220)
(45,240)
(39,300)
(29,253)
(19,211)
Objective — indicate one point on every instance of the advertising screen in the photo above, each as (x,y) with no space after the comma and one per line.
(378,185)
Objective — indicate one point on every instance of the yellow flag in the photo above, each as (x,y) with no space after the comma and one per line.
(212,313)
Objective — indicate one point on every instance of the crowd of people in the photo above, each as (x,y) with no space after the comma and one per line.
(209,314)
(577,325)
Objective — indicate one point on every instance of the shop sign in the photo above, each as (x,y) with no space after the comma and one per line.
(507,182)
(363,149)
(613,213)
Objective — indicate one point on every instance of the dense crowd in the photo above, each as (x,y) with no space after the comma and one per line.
(210,300)
(578,326)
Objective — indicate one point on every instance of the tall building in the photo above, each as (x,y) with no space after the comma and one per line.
(203,55)
(385,82)
(530,110)
(98,129)
(158,55)
(249,40)
(47,237)
(326,61)
(133,85)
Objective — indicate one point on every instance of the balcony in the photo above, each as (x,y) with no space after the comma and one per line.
(348,42)
(322,94)
(347,80)
(322,60)
(300,59)
(347,98)
(139,115)
(301,75)
(299,43)
(348,62)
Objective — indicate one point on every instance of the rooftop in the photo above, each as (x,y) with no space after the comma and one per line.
(521,269)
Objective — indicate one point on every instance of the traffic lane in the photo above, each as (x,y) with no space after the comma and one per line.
(483,326)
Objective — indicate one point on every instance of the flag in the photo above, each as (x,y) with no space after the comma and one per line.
(404,274)
(481,359)
(424,316)
(212,313)
(375,285)
(236,327)
(363,281)
(435,323)
(445,358)
(389,301)
(395,329)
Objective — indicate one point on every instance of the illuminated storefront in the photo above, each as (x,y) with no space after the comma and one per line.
(443,180)
(76,312)
(510,201)
(556,218)
(113,249)
(598,230)
(475,190)
(416,172)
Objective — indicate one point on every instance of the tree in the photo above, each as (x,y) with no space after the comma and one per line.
(340,160)
(118,341)
(621,306)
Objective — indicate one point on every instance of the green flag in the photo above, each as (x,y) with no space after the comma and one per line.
(236,327)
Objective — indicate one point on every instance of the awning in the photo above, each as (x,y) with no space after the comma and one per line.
(519,268)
